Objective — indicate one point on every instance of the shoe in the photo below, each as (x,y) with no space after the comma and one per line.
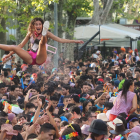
(45,28)
(35,45)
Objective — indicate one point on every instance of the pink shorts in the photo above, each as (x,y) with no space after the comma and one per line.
(33,55)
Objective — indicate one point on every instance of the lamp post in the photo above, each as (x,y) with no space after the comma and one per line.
(56,33)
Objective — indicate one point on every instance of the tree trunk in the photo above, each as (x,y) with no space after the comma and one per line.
(3,35)
(70,35)
(106,11)
(100,15)
(95,17)
(60,22)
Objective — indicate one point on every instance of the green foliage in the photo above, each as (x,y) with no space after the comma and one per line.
(78,7)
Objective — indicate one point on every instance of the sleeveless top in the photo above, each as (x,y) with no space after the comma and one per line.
(121,105)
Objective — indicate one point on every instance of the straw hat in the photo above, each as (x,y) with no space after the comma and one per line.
(103,117)
(114,122)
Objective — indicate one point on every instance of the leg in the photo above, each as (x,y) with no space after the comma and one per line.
(42,54)
(19,51)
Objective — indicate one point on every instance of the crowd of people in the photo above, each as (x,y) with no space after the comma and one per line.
(94,99)
(90,99)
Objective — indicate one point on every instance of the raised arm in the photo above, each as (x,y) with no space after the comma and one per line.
(52,36)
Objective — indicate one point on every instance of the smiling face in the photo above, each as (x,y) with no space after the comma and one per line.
(38,26)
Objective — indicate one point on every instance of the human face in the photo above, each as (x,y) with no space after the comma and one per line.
(45,87)
(67,71)
(38,27)
(14,121)
(65,102)
(102,101)
(125,69)
(92,117)
(22,120)
(57,121)
(34,92)
(64,91)
(85,88)
(48,135)
(16,91)
(2,90)
(88,106)
(54,104)
(66,80)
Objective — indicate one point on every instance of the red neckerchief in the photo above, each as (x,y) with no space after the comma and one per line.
(36,34)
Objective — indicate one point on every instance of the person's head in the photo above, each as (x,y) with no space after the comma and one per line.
(54,101)
(66,100)
(68,131)
(98,130)
(127,86)
(85,87)
(132,121)
(65,89)
(67,70)
(102,100)
(57,120)
(2,89)
(35,90)
(99,89)
(86,105)
(22,119)
(47,132)
(124,69)
(91,115)
(16,91)
(77,121)
(32,136)
(75,111)
(121,76)
(12,118)
(111,84)
(66,80)
(75,98)
(36,25)
(30,107)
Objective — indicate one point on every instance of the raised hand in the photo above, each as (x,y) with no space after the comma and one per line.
(39,101)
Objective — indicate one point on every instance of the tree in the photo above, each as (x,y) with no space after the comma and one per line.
(101,11)
(74,8)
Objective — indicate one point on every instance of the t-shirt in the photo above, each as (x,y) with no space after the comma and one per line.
(99,107)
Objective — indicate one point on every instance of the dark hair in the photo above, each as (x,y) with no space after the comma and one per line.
(32,136)
(123,120)
(85,104)
(54,98)
(64,123)
(93,135)
(108,104)
(18,127)
(122,75)
(46,127)
(75,109)
(75,97)
(30,105)
(126,87)
(5,73)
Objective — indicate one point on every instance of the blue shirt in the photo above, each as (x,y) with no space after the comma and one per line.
(99,107)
